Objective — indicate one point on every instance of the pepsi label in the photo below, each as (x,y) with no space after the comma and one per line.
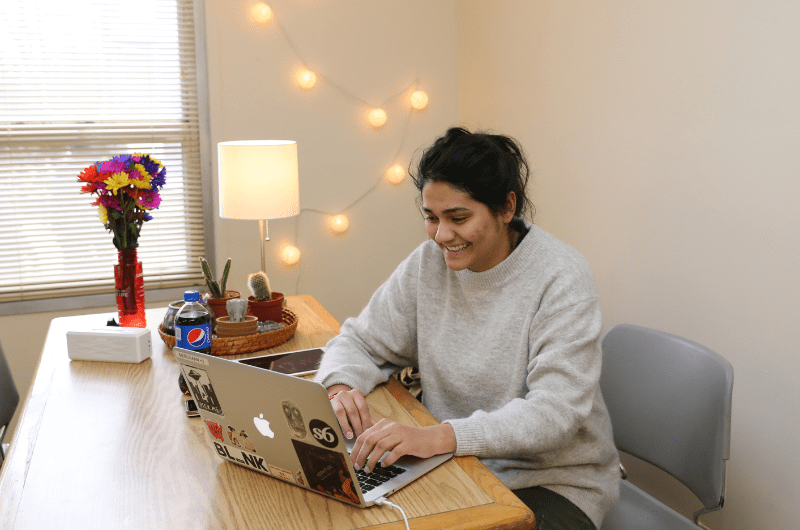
(193,335)
(197,337)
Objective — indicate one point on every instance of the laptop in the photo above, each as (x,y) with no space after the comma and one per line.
(283,426)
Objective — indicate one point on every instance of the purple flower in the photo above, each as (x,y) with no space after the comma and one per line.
(158,181)
(149,165)
(147,217)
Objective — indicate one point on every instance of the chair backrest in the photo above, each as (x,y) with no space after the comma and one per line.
(9,397)
(670,405)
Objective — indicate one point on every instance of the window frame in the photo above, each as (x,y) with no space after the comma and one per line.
(67,303)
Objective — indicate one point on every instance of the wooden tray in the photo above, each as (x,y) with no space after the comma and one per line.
(246,343)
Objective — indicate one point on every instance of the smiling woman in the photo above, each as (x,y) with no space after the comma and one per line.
(491,298)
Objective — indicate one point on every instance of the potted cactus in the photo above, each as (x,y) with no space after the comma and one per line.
(216,289)
(264,304)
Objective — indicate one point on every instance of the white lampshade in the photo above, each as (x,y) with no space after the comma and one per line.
(258,179)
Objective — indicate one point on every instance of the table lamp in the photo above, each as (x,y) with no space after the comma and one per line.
(258,179)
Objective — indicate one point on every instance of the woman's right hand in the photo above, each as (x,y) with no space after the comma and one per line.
(351,410)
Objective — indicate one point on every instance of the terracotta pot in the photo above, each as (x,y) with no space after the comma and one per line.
(267,310)
(226,328)
(217,305)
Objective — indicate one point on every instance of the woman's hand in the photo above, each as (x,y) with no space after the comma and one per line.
(398,440)
(351,410)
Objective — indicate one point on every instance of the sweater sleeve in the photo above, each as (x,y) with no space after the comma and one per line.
(381,340)
(563,374)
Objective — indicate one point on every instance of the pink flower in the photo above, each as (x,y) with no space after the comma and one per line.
(150,200)
(110,201)
(113,166)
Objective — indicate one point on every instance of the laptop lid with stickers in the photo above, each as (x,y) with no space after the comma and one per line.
(284,427)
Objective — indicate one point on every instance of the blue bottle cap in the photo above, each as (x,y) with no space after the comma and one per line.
(191,296)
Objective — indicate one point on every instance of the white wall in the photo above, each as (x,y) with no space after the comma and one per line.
(664,140)
(368,51)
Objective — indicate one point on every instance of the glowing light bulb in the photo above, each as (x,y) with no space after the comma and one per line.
(306,79)
(376,117)
(338,223)
(419,100)
(290,255)
(395,174)
(261,14)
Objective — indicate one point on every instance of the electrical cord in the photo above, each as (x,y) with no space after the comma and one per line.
(383,502)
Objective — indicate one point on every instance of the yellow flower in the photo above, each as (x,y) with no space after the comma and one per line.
(144,183)
(103,214)
(117,181)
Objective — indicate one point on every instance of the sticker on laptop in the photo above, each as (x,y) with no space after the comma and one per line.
(233,436)
(245,442)
(282,474)
(191,357)
(237,455)
(202,390)
(295,419)
(215,430)
(300,479)
(323,433)
(326,471)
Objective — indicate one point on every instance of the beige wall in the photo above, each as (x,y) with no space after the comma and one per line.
(663,137)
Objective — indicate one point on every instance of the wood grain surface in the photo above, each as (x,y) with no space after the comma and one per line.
(108,445)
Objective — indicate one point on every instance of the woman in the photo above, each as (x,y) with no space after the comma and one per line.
(503,321)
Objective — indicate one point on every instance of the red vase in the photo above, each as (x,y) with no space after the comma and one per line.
(130,289)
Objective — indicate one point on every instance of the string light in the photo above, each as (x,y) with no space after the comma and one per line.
(376,118)
(419,100)
(395,174)
(306,79)
(290,255)
(261,14)
(338,224)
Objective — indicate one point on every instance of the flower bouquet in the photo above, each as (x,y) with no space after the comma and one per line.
(127,189)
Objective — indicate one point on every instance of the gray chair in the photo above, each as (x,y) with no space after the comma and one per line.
(9,398)
(670,405)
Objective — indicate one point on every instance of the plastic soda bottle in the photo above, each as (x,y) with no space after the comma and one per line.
(193,324)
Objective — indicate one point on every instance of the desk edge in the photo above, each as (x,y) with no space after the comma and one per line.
(493,487)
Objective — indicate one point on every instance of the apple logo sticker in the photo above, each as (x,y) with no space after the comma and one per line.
(263,426)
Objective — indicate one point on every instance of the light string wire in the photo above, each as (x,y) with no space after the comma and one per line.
(414,84)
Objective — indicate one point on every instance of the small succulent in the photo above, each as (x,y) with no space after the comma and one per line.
(216,288)
(259,286)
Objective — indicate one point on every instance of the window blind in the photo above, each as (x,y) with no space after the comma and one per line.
(80,82)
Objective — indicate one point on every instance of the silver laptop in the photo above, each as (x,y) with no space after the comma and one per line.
(284,426)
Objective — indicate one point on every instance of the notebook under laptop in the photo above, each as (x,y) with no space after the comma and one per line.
(284,426)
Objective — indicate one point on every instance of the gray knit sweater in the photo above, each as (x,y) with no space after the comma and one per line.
(510,357)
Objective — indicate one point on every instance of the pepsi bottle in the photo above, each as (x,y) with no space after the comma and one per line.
(193,324)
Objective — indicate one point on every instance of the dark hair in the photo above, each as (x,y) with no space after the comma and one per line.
(487,167)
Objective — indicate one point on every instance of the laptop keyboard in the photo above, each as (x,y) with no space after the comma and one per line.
(377,476)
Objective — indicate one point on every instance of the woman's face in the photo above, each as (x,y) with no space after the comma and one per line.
(469,234)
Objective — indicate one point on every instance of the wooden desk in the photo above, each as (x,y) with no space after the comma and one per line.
(108,445)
